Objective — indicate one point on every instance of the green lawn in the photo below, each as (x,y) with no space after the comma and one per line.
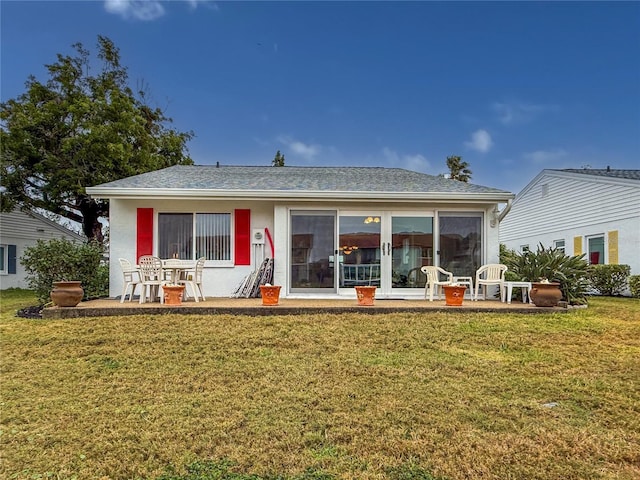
(399,396)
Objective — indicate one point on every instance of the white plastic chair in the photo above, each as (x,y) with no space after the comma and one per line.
(131,278)
(433,280)
(374,274)
(348,275)
(490,274)
(151,277)
(193,279)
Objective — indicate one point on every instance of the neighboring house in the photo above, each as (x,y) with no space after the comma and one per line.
(595,212)
(19,230)
(329,228)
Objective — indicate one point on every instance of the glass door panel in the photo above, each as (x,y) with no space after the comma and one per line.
(312,251)
(359,250)
(460,244)
(412,247)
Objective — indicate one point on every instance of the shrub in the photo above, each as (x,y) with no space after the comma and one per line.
(60,259)
(609,280)
(554,265)
(634,285)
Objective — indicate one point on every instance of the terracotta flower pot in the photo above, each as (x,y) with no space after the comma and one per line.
(545,294)
(366,295)
(454,294)
(67,294)
(173,294)
(270,294)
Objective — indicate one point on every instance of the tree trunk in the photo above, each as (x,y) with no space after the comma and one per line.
(91,213)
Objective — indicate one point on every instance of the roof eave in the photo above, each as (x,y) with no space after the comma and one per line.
(160,193)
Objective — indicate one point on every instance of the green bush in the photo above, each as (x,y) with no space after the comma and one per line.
(634,285)
(58,260)
(551,264)
(609,280)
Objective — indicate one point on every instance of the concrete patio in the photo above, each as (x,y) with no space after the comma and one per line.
(287,306)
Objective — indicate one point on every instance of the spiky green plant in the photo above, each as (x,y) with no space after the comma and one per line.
(554,265)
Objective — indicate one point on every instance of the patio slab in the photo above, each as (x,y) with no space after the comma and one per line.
(286,306)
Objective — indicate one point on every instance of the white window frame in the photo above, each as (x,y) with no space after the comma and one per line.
(587,238)
(5,259)
(561,245)
(194,214)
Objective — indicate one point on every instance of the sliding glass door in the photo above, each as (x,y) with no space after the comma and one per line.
(460,243)
(331,252)
(384,249)
(359,250)
(311,258)
(412,248)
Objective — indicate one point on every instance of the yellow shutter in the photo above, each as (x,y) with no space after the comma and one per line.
(613,247)
(577,245)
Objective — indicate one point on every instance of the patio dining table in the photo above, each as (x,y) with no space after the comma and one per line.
(175,267)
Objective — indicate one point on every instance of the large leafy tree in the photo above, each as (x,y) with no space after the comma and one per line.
(77,130)
(458,170)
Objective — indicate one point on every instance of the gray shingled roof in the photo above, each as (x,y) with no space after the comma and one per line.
(294,179)
(606,172)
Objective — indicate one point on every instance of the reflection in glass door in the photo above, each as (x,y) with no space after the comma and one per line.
(412,248)
(359,250)
(460,245)
(312,251)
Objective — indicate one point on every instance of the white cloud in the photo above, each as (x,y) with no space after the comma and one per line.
(307,152)
(480,141)
(415,162)
(147,10)
(135,9)
(519,112)
(546,156)
(193,4)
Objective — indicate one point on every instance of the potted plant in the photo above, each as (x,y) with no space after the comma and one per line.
(270,294)
(366,295)
(545,293)
(173,294)
(67,293)
(454,294)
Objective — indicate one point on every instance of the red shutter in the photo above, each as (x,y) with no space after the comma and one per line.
(144,233)
(242,235)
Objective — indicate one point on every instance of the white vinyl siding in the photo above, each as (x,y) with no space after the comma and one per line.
(19,231)
(577,207)
(578,203)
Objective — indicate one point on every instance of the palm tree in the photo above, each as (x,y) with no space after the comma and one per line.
(458,170)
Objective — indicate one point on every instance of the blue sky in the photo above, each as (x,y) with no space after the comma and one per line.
(512,87)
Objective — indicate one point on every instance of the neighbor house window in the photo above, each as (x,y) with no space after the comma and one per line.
(189,236)
(595,249)
(559,245)
(524,248)
(4,260)
(545,190)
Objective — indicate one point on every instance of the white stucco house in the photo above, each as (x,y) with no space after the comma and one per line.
(19,230)
(590,211)
(327,228)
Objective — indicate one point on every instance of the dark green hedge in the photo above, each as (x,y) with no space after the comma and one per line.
(58,260)
(634,285)
(609,280)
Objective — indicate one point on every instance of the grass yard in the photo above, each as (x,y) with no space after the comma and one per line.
(398,396)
